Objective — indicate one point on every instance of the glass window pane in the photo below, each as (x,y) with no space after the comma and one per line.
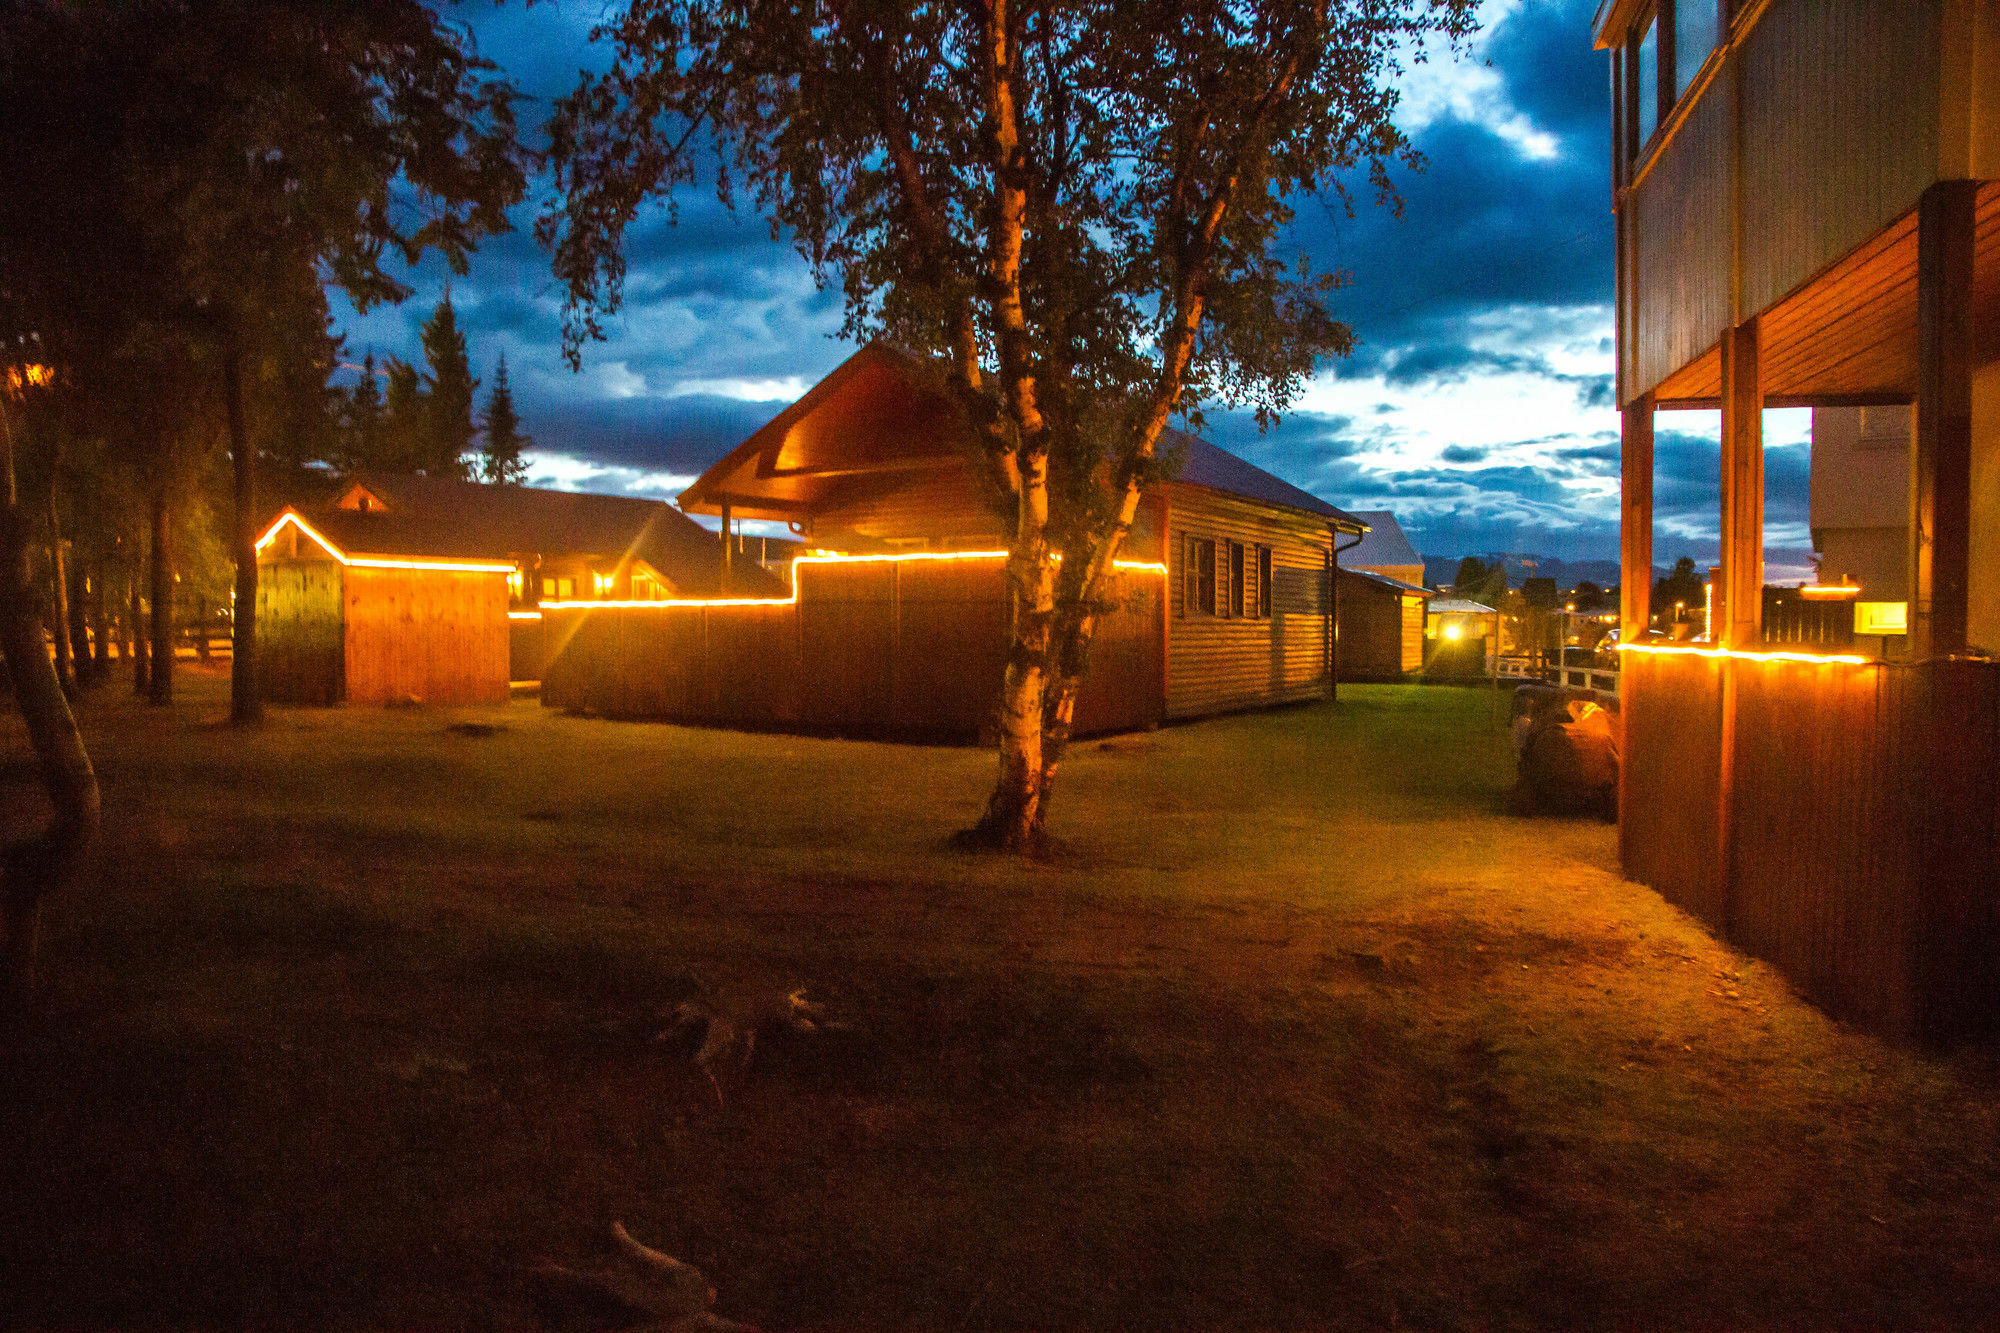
(1694,38)
(1648,110)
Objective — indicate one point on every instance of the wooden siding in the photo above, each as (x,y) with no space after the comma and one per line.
(1836,133)
(299,633)
(913,647)
(1381,630)
(437,637)
(1220,662)
(948,508)
(1861,849)
(1679,244)
(1840,132)
(526,657)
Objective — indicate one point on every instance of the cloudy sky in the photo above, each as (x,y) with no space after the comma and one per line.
(1477,405)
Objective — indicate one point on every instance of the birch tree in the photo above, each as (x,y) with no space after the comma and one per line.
(1078,206)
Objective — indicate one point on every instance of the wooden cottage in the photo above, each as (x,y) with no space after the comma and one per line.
(1807,196)
(424,588)
(1381,623)
(896,620)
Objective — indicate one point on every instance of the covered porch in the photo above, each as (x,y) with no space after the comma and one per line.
(1838,813)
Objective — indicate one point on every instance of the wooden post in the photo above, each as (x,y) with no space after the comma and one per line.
(1742,487)
(1635,530)
(727,561)
(1742,566)
(1941,462)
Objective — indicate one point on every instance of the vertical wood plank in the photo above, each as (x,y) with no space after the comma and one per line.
(1941,462)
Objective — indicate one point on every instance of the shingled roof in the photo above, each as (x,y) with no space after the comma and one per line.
(1203,464)
(440,517)
(1385,544)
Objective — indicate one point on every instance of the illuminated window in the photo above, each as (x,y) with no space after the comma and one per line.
(1881,617)
(560,590)
(517,584)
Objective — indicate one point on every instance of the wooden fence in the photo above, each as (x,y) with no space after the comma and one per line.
(1837,820)
(891,647)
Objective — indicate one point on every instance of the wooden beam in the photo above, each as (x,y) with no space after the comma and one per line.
(1635,530)
(728,555)
(1941,462)
(1742,488)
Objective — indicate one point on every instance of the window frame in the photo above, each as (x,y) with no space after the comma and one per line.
(1238,560)
(1201,564)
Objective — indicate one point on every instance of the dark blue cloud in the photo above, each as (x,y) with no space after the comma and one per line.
(1485,233)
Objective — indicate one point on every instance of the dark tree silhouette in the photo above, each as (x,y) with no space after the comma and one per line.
(447,401)
(505,441)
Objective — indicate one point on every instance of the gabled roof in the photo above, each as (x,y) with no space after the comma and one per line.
(1219,470)
(883,410)
(1384,546)
(440,517)
(1398,584)
(1459,606)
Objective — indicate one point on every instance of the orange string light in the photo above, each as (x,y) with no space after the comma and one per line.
(822,558)
(1741,655)
(378,562)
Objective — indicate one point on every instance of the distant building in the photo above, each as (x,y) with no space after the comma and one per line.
(1861,499)
(1381,625)
(431,589)
(1384,549)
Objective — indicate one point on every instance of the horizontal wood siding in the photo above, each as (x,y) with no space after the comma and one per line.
(1413,633)
(948,507)
(904,647)
(437,637)
(1219,662)
(300,656)
(1863,860)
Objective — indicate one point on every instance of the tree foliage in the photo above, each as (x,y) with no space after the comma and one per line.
(1684,588)
(182,180)
(1477,581)
(505,441)
(449,387)
(1080,207)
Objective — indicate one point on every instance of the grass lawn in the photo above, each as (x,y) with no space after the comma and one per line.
(358,1019)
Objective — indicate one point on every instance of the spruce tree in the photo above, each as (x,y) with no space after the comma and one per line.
(448,402)
(365,426)
(504,440)
(404,418)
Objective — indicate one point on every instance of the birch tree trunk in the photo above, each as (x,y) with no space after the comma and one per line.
(53,860)
(1012,820)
